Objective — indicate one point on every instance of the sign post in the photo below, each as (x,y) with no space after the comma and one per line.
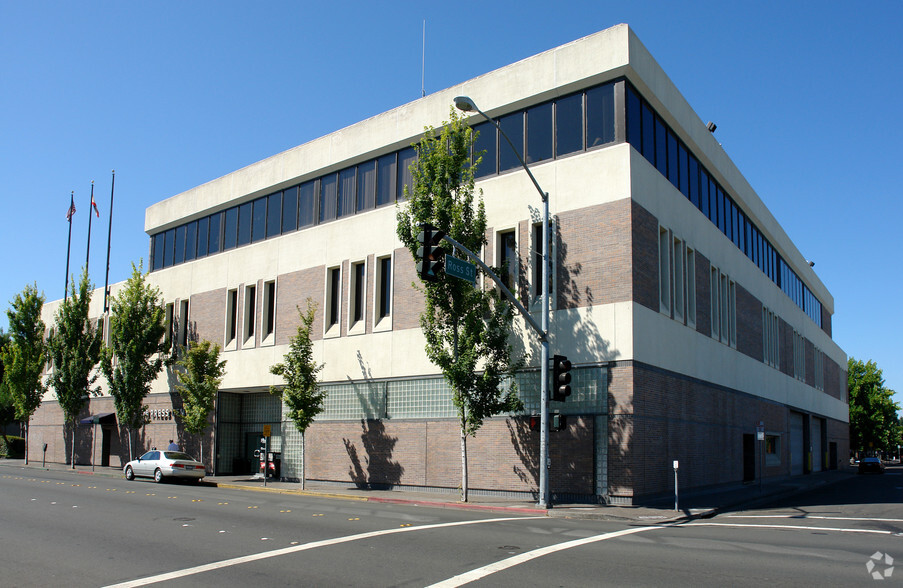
(760,436)
(676,465)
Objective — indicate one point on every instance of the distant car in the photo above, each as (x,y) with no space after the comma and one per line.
(871,465)
(160,465)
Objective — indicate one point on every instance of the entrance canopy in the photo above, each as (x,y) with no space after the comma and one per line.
(102,418)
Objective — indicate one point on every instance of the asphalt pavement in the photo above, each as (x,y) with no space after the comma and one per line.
(691,504)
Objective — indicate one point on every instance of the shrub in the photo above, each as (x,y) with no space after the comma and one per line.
(12,447)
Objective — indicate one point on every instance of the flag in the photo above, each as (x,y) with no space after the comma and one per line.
(71,211)
(94,204)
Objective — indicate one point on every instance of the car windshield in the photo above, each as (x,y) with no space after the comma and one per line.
(177,455)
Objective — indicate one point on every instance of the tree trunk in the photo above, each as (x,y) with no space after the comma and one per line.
(26,442)
(72,457)
(128,434)
(302,461)
(463,465)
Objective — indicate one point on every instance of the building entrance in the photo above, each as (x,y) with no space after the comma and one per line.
(240,418)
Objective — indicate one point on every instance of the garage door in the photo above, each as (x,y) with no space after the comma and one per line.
(797,451)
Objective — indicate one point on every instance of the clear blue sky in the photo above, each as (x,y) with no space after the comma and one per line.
(174,94)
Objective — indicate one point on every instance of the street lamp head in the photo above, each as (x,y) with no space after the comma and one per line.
(464,104)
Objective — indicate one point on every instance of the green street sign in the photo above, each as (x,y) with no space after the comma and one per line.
(459,268)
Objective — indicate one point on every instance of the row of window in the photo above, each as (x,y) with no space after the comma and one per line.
(660,145)
(771,338)
(677,278)
(723,292)
(566,125)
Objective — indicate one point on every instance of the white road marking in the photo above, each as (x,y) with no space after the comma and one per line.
(478,573)
(296,548)
(796,527)
(804,517)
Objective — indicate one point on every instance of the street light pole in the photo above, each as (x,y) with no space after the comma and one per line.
(465,104)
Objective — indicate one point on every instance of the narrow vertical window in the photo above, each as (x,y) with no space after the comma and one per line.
(513,126)
(384,287)
(269,310)
(358,292)
(333,296)
(569,124)
(406,158)
(274,214)
(230,228)
(231,316)
(347,192)
(250,315)
(259,220)
(366,186)
(179,247)
(537,261)
(307,204)
(664,270)
(678,279)
(158,251)
(328,191)
(732,305)
(170,325)
(245,214)
(183,323)
(725,309)
(507,244)
(290,209)
(485,146)
(215,240)
(600,115)
(203,230)
(539,133)
(714,303)
(385,179)
(191,240)
(690,267)
(168,253)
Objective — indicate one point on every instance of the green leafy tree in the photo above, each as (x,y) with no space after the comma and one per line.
(75,346)
(24,357)
(874,424)
(7,408)
(135,354)
(199,380)
(467,329)
(301,392)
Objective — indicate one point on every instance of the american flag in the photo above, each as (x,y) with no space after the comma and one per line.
(71,211)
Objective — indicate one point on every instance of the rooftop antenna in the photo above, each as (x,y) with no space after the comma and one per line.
(423,62)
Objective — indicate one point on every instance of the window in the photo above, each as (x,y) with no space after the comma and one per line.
(539,133)
(771,338)
(406,158)
(191,240)
(183,325)
(230,229)
(159,241)
(168,254)
(569,124)
(329,187)
(307,204)
(347,192)
(772,450)
(274,214)
(485,145)
(537,260)
(690,267)
(600,115)
(634,129)
(290,209)
(170,325)
(819,366)
(366,186)
(715,303)
(507,248)
(513,126)
(231,317)
(203,229)
(661,146)
(648,122)
(679,279)
(358,294)
(179,247)
(333,297)
(664,271)
(385,180)
(799,356)
(259,220)
(268,320)
(724,307)
(384,288)
(244,223)
(250,315)
(215,239)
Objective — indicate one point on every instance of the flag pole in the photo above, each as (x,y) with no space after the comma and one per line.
(90,206)
(106,280)
(69,244)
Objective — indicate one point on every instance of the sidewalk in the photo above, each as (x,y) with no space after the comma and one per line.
(692,504)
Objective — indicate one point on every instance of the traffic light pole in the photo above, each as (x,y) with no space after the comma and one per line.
(465,104)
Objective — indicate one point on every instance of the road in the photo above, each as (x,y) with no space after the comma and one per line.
(59,528)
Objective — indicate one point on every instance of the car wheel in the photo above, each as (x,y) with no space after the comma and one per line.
(158,476)
(129,474)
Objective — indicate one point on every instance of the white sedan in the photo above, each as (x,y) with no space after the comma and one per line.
(165,464)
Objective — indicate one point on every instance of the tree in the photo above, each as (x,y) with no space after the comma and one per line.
(75,346)
(301,393)
(198,384)
(7,408)
(134,357)
(467,329)
(24,357)
(874,424)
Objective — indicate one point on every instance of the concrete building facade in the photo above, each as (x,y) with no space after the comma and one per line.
(698,331)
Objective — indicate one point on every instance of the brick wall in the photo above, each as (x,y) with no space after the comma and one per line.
(750,338)
(644,237)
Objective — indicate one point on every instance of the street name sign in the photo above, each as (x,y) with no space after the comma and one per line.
(459,268)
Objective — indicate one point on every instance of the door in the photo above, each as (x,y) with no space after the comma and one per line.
(797,449)
(105,447)
(749,457)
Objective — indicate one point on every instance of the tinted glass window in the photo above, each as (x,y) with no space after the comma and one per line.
(405,158)
(648,134)
(307,204)
(214,241)
(684,174)
(244,223)
(366,185)
(230,228)
(385,180)
(634,136)
(259,220)
(290,209)
(329,186)
(203,228)
(569,124)
(485,145)
(168,254)
(191,240)
(673,174)
(694,181)
(274,214)
(722,213)
(539,133)
(600,115)
(346,197)
(661,147)
(513,126)
(713,202)
(179,251)
(704,192)
(159,241)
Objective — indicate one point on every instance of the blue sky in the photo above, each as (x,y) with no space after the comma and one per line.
(172,95)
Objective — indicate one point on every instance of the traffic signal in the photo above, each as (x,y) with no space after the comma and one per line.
(561,378)
(430,255)
(558,422)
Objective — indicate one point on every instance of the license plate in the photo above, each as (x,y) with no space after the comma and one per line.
(189,467)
